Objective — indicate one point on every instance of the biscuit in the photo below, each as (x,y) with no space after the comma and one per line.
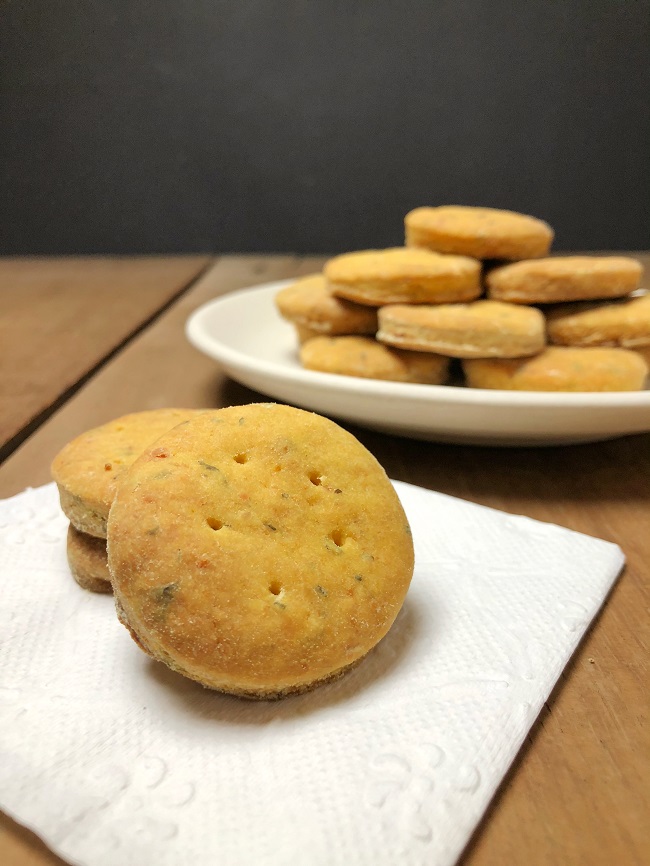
(564,278)
(365,357)
(617,323)
(260,550)
(482,329)
(88,561)
(314,311)
(558,368)
(401,275)
(88,469)
(480,232)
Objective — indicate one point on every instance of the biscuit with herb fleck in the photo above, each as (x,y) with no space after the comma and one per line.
(560,368)
(403,276)
(482,329)
(564,278)
(315,311)
(644,352)
(481,232)
(87,470)
(368,359)
(623,323)
(88,561)
(261,550)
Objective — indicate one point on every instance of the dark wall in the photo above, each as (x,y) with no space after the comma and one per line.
(172,125)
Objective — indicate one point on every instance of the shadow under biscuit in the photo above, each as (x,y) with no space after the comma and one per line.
(382,662)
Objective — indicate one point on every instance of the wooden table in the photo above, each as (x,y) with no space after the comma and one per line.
(86,340)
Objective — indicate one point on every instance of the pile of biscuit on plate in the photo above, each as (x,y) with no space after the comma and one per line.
(475,284)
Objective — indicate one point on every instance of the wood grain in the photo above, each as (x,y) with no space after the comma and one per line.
(59,318)
(579,792)
(159,369)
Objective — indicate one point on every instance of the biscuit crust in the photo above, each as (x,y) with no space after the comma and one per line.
(564,278)
(402,275)
(259,550)
(309,305)
(88,561)
(482,329)
(365,357)
(560,368)
(480,232)
(87,470)
(617,323)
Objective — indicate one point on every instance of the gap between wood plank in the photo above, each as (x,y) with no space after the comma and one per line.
(26,431)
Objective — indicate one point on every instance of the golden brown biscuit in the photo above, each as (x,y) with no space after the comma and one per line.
(365,357)
(561,369)
(315,311)
(616,323)
(260,550)
(480,232)
(402,275)
(88,561)
(87,469)
(482,329)
(564,278)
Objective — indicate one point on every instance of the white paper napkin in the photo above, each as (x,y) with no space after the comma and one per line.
(113,759)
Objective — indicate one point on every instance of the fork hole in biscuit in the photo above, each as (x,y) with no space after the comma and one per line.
(275,587)
(241,458)
(338,537)
(277,468)
(214,523)
(316,479)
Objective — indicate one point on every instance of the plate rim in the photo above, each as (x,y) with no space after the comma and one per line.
(197,334)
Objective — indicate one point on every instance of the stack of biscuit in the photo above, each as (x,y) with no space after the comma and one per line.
(87,472)
(475,284)
(260,550)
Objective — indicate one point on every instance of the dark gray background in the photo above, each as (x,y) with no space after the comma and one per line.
(184,126)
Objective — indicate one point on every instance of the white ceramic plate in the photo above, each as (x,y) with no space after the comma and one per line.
(243,331)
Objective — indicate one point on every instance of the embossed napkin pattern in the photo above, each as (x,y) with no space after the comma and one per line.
(111,758)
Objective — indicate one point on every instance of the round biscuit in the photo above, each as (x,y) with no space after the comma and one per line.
(312,308)
(87,470)
(644,352)
(623,323)
(480,232)
(88,560)
(559,368)
(260,550)
(482,329)
(564,278)
(402,275)
(368,359)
